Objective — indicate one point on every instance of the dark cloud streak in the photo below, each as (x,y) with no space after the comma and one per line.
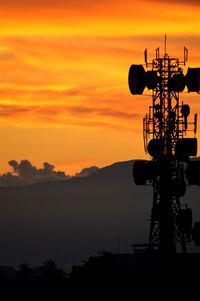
(195,2)
(53,111)
(102,111)
(48,3)
(20,4)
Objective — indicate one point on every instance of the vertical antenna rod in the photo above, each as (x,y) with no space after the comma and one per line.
(165,47)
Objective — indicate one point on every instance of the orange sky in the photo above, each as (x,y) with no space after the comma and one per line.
(63,77)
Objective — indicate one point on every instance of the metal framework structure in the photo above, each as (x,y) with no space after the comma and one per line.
(166,123)
(165,128)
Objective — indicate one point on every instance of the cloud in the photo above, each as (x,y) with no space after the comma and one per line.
(7,56)
(68,116)
(76,80)
(24,173)
(48,3)
(106,17)
(87,171)
(74,5)
(187,2)
(80,4)
(109,112)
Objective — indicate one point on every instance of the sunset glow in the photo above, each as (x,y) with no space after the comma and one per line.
(63,81)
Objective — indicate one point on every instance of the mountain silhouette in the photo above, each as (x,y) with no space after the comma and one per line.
(71,220)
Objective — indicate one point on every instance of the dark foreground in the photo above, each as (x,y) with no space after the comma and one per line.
(106,272)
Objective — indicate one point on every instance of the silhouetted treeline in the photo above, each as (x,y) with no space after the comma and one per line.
(48,278)
(105,272)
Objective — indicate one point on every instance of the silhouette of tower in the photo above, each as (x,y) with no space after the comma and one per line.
(166,128)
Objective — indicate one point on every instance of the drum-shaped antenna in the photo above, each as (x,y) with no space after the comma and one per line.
(193,173)
(136,79)
(196,233)
(155,148)
(193,80)
(185,148)
(152,79)
(140,172)
(178,82)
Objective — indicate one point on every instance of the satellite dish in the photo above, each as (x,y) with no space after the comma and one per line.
(185,148)
(185,110)
(193,173)
(178,82)
(136,79)
(193,80)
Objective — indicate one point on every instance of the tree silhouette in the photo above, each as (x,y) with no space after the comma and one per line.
(53,278)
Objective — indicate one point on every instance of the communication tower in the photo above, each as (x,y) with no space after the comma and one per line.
(169,138)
